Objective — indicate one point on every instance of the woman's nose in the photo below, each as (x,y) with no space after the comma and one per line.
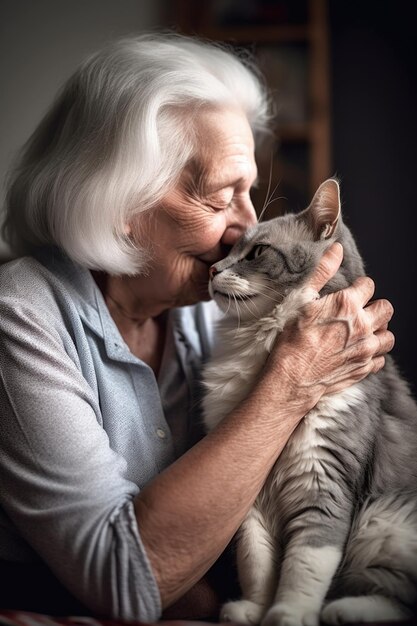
(239,220)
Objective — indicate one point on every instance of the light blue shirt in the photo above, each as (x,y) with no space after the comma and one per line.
(83,428)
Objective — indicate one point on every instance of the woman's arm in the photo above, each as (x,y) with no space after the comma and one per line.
(64,491)
(189,513)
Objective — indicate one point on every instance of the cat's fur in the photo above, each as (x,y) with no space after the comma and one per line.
(333,533)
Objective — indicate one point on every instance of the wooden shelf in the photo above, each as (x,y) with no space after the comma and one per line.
(302,153)
(294,132)
(258,34)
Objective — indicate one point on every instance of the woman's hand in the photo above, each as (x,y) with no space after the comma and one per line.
(338,340)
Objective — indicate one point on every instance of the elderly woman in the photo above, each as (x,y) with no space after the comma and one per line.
(136,181)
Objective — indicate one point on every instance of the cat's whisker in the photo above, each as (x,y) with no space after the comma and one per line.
(269,201)
(229,304)
(268,297)
(265,288)
(274,200)
(268,190)
(246,304)
(271,293)
(274,300)
(237,312)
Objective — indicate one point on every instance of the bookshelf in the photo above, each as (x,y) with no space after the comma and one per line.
(290,41)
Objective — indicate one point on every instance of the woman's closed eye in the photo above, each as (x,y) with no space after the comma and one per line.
(223,200)
(220,200)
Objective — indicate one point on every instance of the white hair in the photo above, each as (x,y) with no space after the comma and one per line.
(116,141)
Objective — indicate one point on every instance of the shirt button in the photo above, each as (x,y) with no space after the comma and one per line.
(161,433)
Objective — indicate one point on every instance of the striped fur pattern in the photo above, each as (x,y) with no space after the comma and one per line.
(332,535)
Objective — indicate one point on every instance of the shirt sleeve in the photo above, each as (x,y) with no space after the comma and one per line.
(61,484)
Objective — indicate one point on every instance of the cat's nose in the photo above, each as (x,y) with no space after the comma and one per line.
(213,271)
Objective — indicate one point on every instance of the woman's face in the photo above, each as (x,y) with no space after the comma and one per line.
(206,213)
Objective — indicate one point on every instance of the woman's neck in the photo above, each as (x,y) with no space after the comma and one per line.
(142,323)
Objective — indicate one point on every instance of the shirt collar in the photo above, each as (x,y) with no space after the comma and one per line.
(190,325)
(87,299)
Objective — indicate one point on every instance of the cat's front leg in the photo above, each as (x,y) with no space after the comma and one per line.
(256,554)
(306,574)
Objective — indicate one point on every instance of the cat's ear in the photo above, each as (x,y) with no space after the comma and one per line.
(323,213)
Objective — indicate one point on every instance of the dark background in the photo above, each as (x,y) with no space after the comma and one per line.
(373,93)
(374,104)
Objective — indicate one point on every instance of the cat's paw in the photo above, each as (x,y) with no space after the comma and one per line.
(242,612)
(284,614)
(352,610)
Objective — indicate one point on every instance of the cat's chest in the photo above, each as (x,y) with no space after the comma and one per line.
(240,353)
(315,446)
(245,348)
(228,380)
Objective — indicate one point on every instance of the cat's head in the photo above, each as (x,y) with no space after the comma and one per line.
(275,257)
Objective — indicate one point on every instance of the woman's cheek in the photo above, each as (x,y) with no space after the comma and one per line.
(214,230)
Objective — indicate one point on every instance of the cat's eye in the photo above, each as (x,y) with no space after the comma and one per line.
(256,251)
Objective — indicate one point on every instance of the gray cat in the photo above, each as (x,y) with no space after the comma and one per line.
(333,533)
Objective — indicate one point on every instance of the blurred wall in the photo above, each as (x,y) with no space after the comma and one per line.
(41,43)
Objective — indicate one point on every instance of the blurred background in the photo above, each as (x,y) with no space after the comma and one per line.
(343,80)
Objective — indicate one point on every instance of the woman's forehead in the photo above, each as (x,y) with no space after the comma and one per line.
(225,150)
(218,127)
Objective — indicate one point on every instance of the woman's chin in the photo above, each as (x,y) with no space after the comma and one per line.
(194,293)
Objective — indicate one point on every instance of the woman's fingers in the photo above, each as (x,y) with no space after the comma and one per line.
(375,345)
(363,288)
(378,363)
(355,375)
(386,341)
(379,313)
(351,311)
(327,267)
